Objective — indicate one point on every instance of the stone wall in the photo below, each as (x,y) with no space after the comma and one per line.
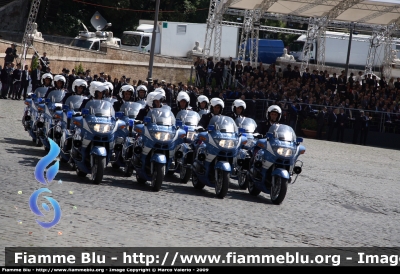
(113,61)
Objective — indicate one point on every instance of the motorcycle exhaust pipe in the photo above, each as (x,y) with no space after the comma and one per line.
(178,154)
(297,170)
(258,164)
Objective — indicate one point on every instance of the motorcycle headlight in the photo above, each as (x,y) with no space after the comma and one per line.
(283,151)
(163,136)
(228,143)
(190,135)
(102,128)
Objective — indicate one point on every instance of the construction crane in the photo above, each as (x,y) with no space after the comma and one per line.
(27,40)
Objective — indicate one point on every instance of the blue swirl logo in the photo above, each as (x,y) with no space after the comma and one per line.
(40,177)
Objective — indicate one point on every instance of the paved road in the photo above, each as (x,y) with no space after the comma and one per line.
(347,195)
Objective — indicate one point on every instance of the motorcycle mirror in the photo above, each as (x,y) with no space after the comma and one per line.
(211,128)
(69,114)
(270,135)
(242,130)
(33,96)
(65,107)
(179,123)
(85,111)
(131,122)
(47,100)
(299,140)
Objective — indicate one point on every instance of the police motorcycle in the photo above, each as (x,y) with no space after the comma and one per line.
(276,163)
(93,139)
(241,162)
(124,142)
(52,127)
(214,156)
(34,102)
(183,156)
(155,145)
(70,109)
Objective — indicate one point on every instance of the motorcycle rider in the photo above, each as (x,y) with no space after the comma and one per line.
(141,93)
(238,108)
(154,100)
(97,93)
(78,88)
(273,115)
(126,93)
(109,93)
(47,80)
(182,103)
(59,84)
(203,104)
(216,108)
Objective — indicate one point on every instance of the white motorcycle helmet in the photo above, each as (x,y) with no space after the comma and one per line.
(94,89)
(110,88)
(47,76)
(203,98)
(214,102)
(274,108)
(59,77)
(139,88)
(154,96)
(125,88)
(160,90)
(238,103)
(79,83)
(183,96)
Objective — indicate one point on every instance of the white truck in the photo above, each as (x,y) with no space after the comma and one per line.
(176,39)
(92,40)
(336,46)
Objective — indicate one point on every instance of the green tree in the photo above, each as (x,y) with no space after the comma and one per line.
(79,69)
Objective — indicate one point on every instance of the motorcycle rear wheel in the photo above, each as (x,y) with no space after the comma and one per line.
(278,189)
(196,182)
(251,187)
(185,174)
(157,176)
(242,180)
(99,163)
(222,184)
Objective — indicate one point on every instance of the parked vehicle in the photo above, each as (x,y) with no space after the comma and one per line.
(155,146)
(177,38)
(275,163)
(214,156)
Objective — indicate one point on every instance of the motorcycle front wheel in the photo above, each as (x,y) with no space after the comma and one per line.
(242,180)
(185,174)
(99,163)
(251,186)
(278,189)
(222,184)
(157,176)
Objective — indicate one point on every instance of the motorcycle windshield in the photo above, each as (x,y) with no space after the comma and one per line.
(111,100)
(188,117)
(41,92)
(56,95)
(162,116)
(75,100)
(248,124)
(131,109)
(100,108)
(283,133)
(201,112)
(224,124)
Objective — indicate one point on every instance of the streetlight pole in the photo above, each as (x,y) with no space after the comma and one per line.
(153,44)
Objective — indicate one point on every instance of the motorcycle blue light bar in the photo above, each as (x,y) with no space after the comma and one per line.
(47,100)
(65,107)
(179,123)
(85,111)
(242,130)
(131,122)
(211,128)
(69,114)
(147,119)
(40,100)
(119,115)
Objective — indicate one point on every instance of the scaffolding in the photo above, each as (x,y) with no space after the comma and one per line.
(27,40)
